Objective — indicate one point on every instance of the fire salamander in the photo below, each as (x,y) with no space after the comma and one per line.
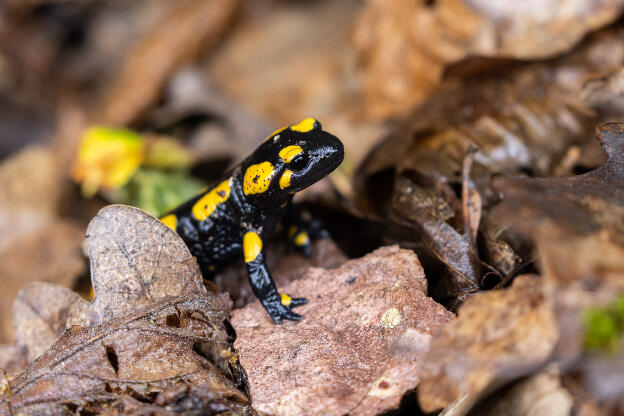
(238,213)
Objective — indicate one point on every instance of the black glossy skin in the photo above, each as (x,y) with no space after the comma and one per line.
(218,239)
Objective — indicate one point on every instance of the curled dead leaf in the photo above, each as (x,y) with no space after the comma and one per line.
(187,27)
(135,348)
(523,120)
(498,336)
(425,37)
(539,395)
(138,357)
(577,224)
(422,215)
(135,260)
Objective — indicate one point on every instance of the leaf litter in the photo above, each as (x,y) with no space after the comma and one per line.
(151,338)
(422,187)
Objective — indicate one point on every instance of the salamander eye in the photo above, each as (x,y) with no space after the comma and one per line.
(299,163)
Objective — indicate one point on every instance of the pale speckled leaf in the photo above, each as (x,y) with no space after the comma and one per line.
(135,260)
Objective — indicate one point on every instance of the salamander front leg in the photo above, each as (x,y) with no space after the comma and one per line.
(276,304)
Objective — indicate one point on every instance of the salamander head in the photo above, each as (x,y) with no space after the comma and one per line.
(289,160)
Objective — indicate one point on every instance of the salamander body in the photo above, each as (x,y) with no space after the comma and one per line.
(236,215)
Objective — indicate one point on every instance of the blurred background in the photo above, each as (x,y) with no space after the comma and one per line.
(145,102)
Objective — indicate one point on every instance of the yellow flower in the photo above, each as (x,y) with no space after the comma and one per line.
(107,158)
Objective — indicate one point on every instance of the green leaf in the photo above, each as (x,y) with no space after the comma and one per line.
(157,191)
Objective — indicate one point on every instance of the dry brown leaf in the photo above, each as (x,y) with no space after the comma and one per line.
(523,120)
(539,395)
(366,328)
(139,358)
(419,211)
(577,224)
(135,260)
(605,93)
(404,47)
(524,117)
(498,336)
(579,205)
(188,28)
(297,62)
(113,357)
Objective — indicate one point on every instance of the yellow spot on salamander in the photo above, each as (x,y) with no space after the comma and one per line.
(170,221)
(207,204)
(275,132)
(252,246)
(286,300)
(302,239)
(391,318)
(285,179)
(289,152)
(258,178)
(305,125)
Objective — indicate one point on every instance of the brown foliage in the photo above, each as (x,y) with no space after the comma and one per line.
(135,347)
(405,46)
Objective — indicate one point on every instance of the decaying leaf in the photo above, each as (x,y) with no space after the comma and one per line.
(179,36)
(177,342)
(136,347)
(498,336)
(135,260)
(605,93)
(404,47)
(580,205)
(281,67)
(366,328)
(523,120)
(419,210)
(539,395)
(578,224)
